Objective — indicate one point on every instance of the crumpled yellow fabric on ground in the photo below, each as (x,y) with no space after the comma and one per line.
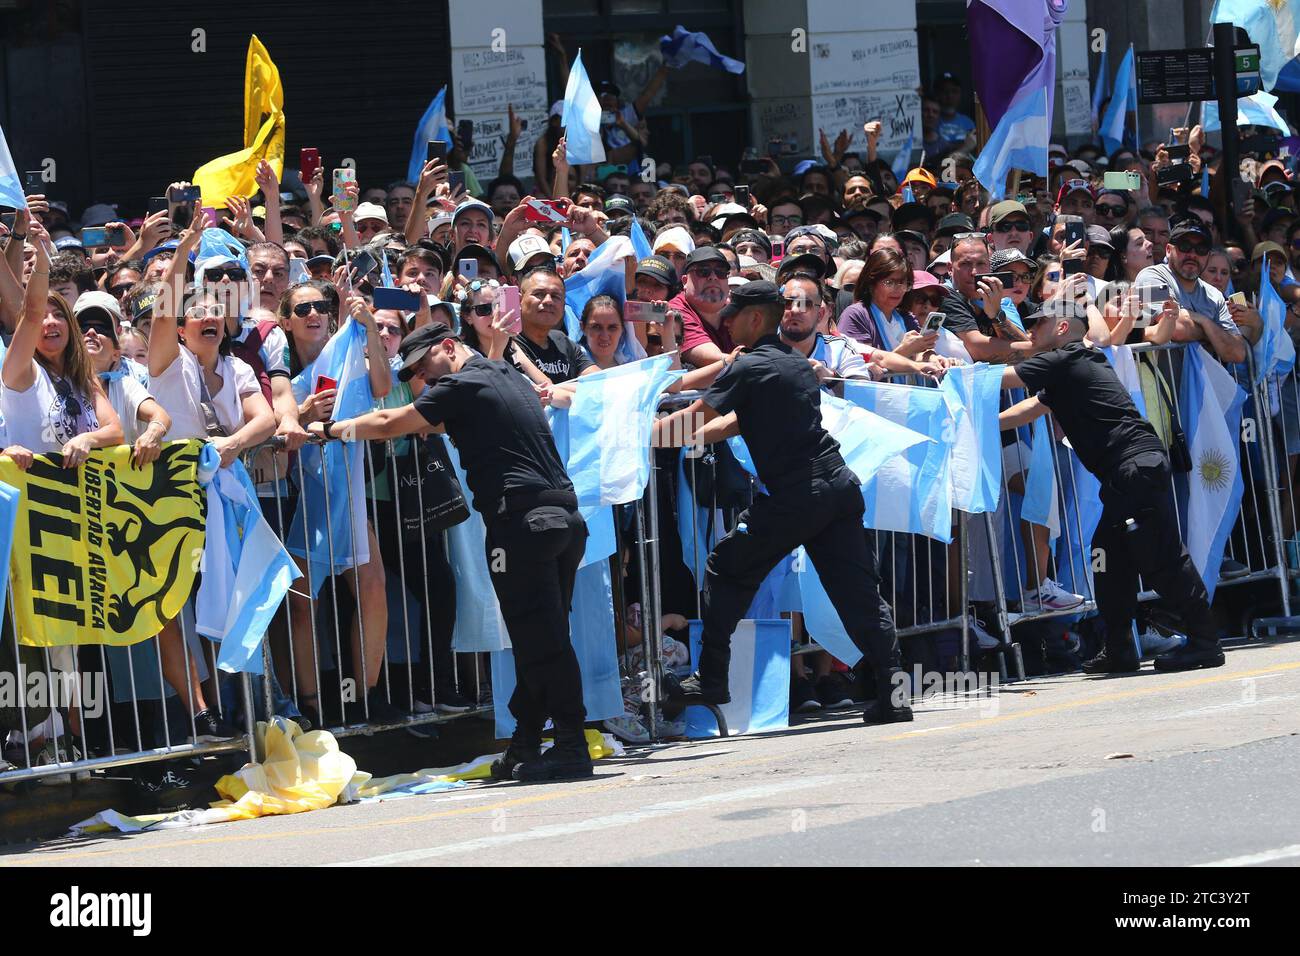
(301,772)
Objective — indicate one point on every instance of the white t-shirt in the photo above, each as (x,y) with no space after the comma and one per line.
(179,390)
(40,420)
(126,395)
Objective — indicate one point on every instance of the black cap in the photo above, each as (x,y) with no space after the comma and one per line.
(806,263)
(706,254)
(757,292)
(659,269)
(910,211)
(911,235)
(1190,226)
(954,223)
(619,204)
(1055,309)
(416,345)
(472,250)
(755,236)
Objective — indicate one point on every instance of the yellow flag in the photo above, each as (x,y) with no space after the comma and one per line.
(104,553)
(234,174)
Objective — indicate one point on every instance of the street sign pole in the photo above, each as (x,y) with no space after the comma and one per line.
(1225,85)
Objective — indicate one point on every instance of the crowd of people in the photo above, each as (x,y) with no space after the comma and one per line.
(879,278)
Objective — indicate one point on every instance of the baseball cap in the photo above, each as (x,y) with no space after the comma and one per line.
(911,235)
(473,204)
(525,248)
(1261,249)
(370,210)
(69,242)
(954,223)
(168,246)
(1074,186)
(101,307)
(659,269)
(943,260)
(1190,226)
(1273,165)
(1061,308)
(676,238)
(1099,236)
(803,264)
(620,205)
(913,210)
(755,236)
(1008,207)
(706,254)
(416,346)
(472,250)
(920,175)
(754,292)
(98,214)
(1005,257)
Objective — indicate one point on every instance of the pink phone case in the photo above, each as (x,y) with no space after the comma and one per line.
(508,301)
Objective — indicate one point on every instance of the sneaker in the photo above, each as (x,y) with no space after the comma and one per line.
(1050,596)
(672,726)
(983,639)
(692,687)
(803,696)
(211,729)
(377,710)
(1190,657)
(1154,643)
(57,750)
(422,707)
(628,728)
(1123,663)
(834,691)
(161,788)
(1230,569)
(450,702)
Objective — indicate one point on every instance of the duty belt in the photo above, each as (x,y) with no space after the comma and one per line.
(826,467)
(527,500)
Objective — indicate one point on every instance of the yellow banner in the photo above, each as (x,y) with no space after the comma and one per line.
(105,553)
(234,173)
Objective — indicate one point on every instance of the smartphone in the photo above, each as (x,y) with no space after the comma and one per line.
(1239,298)
(752,167)
(456,180)
(1075,230)
(774,147)
(1072,266)
(742,196)
(298,271)
(934,321)
(399,300)
(308,163)
(209,217)
(93,236)
(468,268)
(507,300)
(1126,181)
(607,118)
(465,132)
(323,382)
(436,149)
(1008,279)
(362,264)
(182,203)
(716,198)
(1181,151)
(1174,175)
(157,204)
(545,210)
(343,202)
(634,311)
(116,236)
(778,248)
(32,183)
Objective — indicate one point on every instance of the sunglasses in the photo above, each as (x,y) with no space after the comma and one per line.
(71,406)
(1015,225)
(304,309)
(99,328)
(214,311)
(1195,248)
(483,309)
(933,301)
(233,274)
(705,272)
(1110,209)
(1238,265)
(981,236)
(120,289)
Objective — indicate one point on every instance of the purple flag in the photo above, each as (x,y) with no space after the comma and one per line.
(1009,37)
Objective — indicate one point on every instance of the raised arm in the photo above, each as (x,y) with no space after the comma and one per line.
(18,372)
(164,333)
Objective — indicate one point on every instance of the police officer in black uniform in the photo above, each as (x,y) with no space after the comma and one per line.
(535,535)
(1138,531)
(813,500)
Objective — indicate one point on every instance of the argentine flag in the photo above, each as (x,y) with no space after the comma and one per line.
(1273,24)
(1210,403)
(684,46)
(1041,506)
(11,187)
(433,125)
(581,118)
(1274,352)
(912,492)
(479,626)
(1259,109)
(759,680)
(609,425)
(1122,100)
(330,522)
(972,393)
(902,158)
(1125,366)
(604,274)
(1018,142)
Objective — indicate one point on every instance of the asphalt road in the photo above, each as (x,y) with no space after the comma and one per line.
(1155,769)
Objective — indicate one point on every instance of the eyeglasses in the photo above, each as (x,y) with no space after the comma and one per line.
(981,236)
(483,309)
(1022,278)
(1195,248)
(1111,209)
(787,220)
(705,272)
(214,310)
(895,283)
(304,309)
(71,406)
(1014,225)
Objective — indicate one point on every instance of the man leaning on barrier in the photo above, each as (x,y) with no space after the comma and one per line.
(1138,532)
(535,535)
(813,500)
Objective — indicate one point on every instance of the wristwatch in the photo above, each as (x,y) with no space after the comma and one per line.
(326,426)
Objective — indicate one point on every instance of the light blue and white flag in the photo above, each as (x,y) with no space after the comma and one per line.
(1074,548)
(640,244)
(1273,24)
(1101,89)
(479,625)
(609,426)
(1125,366)
(329,528)
(1210,403)
(11,187)
(972,393)
(1274,352)
(820,618)
(1019,141)
(912,492)
(1041,504)
(699,525)
(246,570)
(432,126)
(604,274)
(685,46)
(581,118)
(759,680)
(902,158)
(1259,109)
(1122,101)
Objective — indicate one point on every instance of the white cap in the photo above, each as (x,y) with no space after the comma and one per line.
(725,209)
(735,282)
(943,260)
(370,210)
(524,248)
(437,222)
(746,261)
(675,238)
(98,300)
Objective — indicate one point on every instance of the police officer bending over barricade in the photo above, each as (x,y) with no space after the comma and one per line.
(813,500)
(1138,533)
(535,535)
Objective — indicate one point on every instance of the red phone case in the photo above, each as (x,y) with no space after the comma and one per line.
(324,381)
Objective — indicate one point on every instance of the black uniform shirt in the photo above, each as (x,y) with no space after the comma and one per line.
(561,360)
(773,391)
(493,415)
(1091,405)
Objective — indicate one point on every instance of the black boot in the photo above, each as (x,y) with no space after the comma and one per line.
(694,686)
(1114,660)
(891,703)
(524,747)
(1191,656)
(568,759)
